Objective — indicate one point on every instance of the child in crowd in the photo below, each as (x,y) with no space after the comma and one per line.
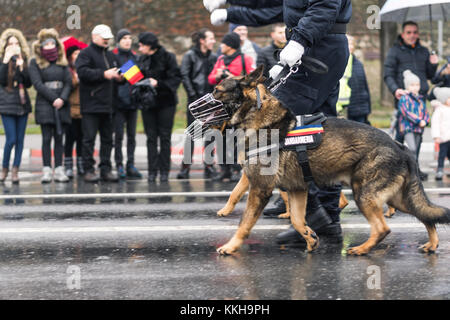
(413,113)
(440,126)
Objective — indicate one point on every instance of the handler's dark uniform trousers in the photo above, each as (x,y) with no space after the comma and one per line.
(306,92)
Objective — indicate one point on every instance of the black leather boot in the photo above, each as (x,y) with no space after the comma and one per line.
(278,207)
(225,173)
(184,173)
(210,172)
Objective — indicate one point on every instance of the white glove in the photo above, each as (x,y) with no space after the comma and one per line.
(292,53)
(212,5)
(218,17)
(275,71)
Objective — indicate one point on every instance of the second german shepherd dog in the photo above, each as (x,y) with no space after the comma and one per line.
(378,169)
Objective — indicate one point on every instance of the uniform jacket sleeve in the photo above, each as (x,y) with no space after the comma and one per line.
(318,19)
(390,71)
(186,71)
(255,17)
(86,72)
(38,84)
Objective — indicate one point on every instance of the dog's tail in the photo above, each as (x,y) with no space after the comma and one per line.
(418,203)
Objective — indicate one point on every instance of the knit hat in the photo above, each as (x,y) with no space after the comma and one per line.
(122,33)
(71,50)
(149,39)
(442,94)
(233,26)
(410,78)
(232,40)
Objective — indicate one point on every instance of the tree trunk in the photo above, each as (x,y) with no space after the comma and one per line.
(118,7)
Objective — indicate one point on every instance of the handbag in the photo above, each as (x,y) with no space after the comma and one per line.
(143,94)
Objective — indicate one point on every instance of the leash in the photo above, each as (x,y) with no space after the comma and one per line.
(313,64)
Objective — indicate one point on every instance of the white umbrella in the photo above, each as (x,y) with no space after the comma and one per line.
(416,10)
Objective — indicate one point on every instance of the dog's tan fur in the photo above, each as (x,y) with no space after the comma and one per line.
(377,169)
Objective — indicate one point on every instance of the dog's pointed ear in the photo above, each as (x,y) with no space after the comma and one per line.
(254,78)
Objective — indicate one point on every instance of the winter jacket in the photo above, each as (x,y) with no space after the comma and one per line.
(360,97)
(96,92)
(162,66)
(124,89)
(74,98)
(42,71)
(267,58)
(402,57)
(10,102)
(236,67)
(440,121)
(412,110)
(195,69)
(309,20)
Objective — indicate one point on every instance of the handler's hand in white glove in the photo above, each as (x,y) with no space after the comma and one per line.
(218,17)
(212,5)
(275,71)
(292,53)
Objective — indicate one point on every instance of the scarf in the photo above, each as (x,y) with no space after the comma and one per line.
(50,54)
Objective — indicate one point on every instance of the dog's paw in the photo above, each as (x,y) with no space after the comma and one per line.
(428,248)
(226,250)
(284,216)
(224,212)
(358,251)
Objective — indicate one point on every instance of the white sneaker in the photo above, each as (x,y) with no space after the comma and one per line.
(47,175)
(60,176)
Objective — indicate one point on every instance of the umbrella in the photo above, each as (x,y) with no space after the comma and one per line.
(416,10)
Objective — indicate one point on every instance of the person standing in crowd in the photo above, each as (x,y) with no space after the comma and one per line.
(231,63)
(315,29)
(248,47)
(413,115)
(442,77)
(125,113)
(50,75)
(74,133)
(160,68)
(440,127)
(408,54)
(196,66)
(98,71)
(15,104)
(266,56)
(354,93)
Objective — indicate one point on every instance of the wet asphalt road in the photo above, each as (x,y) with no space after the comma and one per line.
(164,248)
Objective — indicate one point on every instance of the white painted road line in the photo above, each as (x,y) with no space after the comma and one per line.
(51,230)
(157,195)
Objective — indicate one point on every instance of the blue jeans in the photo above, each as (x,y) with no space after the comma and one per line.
(15,133)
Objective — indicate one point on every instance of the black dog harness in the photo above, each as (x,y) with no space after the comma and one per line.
(306,135)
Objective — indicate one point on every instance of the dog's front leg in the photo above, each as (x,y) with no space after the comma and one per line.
(298,199)
(257,200)
(237,194)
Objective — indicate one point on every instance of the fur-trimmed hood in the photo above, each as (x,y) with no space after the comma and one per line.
(22,41)
(43,35)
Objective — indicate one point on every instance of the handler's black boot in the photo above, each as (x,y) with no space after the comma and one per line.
(318,220)
(278,207)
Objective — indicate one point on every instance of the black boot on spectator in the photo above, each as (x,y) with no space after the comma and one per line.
(210,172)
(152,176)
(278,207)
(164,177)
(133,173)
(184,173)
(80,169)
(225,173)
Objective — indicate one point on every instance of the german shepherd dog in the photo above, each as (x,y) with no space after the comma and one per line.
(378,169)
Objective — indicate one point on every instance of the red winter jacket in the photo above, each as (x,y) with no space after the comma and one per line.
(235,67)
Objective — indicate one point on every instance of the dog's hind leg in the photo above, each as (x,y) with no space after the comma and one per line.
(433,244)
(390,212)
(298,200)
(238,192)
(373,212)
(257,200)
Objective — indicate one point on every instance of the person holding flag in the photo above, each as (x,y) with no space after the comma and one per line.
(125,112)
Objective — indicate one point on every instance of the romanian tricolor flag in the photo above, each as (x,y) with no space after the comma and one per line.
(305,130)
(131,72)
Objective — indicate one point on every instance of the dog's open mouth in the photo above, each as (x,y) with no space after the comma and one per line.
(208,112)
